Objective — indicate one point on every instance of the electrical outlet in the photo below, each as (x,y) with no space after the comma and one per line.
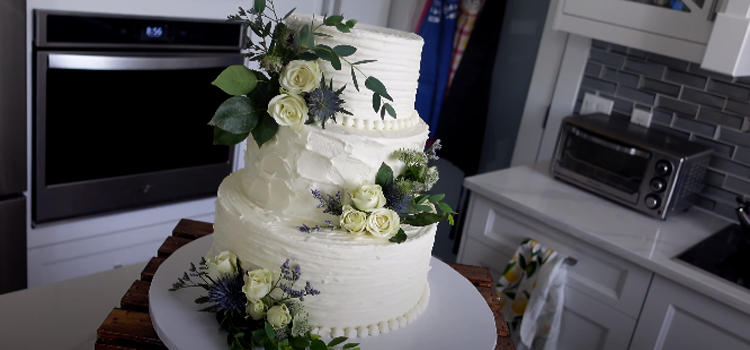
(641,117)
(596,104)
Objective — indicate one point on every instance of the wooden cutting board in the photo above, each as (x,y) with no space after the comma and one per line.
(129,327)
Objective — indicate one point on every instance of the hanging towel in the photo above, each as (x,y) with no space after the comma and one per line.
(531,295)
(437,28)
(468,14)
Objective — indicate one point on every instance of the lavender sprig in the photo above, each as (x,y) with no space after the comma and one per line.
(330,204)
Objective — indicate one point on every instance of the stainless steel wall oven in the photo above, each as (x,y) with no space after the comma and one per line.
(121,106)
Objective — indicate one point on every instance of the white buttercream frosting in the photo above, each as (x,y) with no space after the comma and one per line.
(367,285)
(397,54)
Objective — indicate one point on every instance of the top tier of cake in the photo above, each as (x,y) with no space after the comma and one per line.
(397,57)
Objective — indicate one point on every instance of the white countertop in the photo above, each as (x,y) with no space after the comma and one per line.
(647,242)
(63,315)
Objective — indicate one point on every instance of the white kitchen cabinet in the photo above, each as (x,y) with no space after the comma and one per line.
(587,324)
(676,318)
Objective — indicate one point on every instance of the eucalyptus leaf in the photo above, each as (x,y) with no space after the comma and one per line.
(343,28)
(236,80)
(236,115)
(324,52)
(382,112)
(384,177)
(400,237)
(363,62)
(377,87)
(344,50)
(424,208)
(421,199)
(308,56)
(289,13)
(318,344)
(437,198)
(332,20)
(445,207)
(267,30)
(354,79)
(390,110)
(300,342)
(323,35)
(375,101)
(351,23)
(424,219)
(336,341)
(303,35)
(310,42)
(260,6)
(297,43)
(269,331)
(265,130)
(350,346)
(335,61)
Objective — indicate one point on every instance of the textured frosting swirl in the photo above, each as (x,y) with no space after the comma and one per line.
(280,175)
(397,54)
(368,286)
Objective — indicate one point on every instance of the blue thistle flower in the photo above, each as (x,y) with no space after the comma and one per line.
(396,200)
(323,103)
(227,296)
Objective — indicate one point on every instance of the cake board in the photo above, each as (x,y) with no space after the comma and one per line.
(457,316)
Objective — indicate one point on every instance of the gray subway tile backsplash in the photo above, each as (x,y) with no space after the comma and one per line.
(686,101)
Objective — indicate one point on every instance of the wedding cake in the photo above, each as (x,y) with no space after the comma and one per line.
(271,209)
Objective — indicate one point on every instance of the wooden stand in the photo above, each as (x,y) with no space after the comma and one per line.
(129,327)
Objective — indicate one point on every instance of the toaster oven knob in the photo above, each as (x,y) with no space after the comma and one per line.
(657,184)
(663,168)
(652,201)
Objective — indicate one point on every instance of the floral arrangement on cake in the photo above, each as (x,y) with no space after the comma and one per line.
(257,308)
(379,208)
(291,89)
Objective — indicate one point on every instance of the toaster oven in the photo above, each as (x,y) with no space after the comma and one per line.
(644,169)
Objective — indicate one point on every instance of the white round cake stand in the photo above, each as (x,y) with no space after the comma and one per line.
(457,316)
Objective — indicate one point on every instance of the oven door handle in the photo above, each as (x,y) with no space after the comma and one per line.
(103,62)
(611,145)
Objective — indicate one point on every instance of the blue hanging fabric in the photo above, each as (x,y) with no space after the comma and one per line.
(437,28)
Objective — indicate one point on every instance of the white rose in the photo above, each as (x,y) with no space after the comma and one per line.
(353,220)
(368,197)
(223,264)
(383,223)
(288,110)
(258,283)
(278,316)
(256,309)
(300,76)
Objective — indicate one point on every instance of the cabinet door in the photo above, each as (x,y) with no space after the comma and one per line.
(681,19)
(588,324)
(677,318)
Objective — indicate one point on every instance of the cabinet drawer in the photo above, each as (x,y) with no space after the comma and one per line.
(604,277)
(587,324)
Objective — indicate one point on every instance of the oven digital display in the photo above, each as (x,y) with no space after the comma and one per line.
(154,32)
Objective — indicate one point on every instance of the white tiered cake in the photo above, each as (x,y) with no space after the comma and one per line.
(368,285)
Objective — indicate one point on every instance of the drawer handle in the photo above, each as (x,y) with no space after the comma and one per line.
(571,261)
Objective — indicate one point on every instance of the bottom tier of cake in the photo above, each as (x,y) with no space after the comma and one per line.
(368,286)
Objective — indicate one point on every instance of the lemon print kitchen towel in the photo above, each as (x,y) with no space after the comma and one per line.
(531,295)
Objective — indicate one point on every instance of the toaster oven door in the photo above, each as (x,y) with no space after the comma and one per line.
(602,164)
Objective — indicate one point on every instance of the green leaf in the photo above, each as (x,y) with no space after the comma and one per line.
(377,87)
(236,80)
(267,31)
(289,13)
(236,115)
(323,35)
(260,6)
(354,79)
(424,208)
(318,344)
(201,300)
(343,28)
(335,61)
(350,346)
(382,112)
(509,267)
(375,101)
(384,177)
(421,199)
(522,262)
(332,20)
(437,198)
(390,110)
(363,62)
(344,50)
(308,56)
(269,331)
(324,52)
(303,35)
(336,341)
(530,269)
(445,208)
(424,219)
(315,336)
(400,237)
(310,42)
(265,130)
(351,23)
(300,342)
